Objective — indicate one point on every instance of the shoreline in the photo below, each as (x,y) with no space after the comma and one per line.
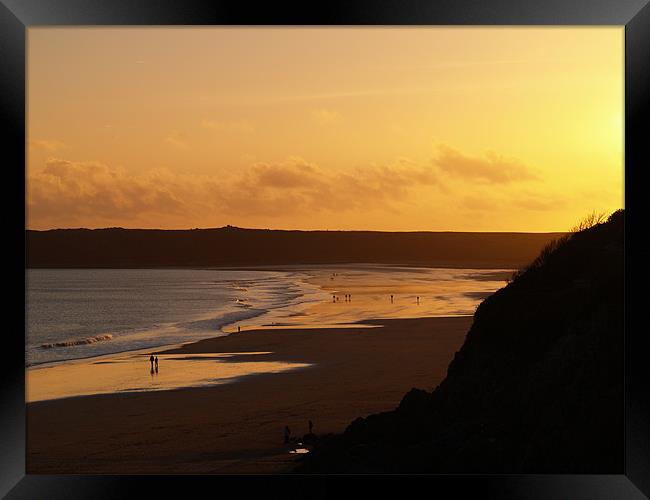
(229,318)
(236,427)
(481,266)
(191,347)
(319,313)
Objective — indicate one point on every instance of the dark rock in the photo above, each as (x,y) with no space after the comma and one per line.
(537,387)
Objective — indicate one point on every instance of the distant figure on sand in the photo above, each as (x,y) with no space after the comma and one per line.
(311,426)
(156,361)
(418,299)
(287,434)
(151,361)
(238,328)
(391,299)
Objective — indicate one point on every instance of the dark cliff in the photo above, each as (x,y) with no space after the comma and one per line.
(537,386)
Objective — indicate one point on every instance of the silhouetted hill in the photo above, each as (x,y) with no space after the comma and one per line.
(537,386)
(231,246)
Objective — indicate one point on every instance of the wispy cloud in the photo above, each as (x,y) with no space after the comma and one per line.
(242,126)
(47,144)
(493,168)
(325,116)
(177,140)
(353,93)
(461,64)
(492,201)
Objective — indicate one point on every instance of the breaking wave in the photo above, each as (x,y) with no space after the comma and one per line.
(143,309)
(71,343)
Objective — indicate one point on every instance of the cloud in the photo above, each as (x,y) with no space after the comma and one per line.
(506,200)
(325,116)
(494,168)
(213,125)
(296,184)
(291,174)
(177,140)
(47,145)
(65,191)
(241,126)
(538,203)
(343,94)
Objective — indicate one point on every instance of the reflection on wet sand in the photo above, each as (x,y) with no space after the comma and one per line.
(130,372)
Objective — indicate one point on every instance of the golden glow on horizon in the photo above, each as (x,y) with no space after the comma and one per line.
(449,128)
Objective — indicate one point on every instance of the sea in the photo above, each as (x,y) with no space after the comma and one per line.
(82,313)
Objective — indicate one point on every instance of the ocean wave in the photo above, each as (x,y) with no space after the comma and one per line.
(85,341)
(222,320)
(238,301)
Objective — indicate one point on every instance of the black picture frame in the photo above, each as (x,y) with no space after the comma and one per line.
(18,15)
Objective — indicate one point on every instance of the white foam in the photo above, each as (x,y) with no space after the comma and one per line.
(86,341)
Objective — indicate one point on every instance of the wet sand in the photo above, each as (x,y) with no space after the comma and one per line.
(237,427)
(441,292)
(127,372)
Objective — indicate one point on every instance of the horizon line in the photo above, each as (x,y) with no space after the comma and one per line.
(229,226)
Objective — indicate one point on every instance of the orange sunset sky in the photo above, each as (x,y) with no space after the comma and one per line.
(460,129)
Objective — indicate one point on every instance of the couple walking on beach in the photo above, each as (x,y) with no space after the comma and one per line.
(153,360)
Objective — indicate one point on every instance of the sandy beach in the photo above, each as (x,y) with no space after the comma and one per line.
(240,243)
(237,427)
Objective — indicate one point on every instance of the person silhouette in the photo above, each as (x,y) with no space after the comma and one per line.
(238,329)
(151,361)
(391,299)
(418,299)
(311,426)
(156,360)
(287,434)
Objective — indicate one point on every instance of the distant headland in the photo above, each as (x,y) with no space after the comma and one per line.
(233,246)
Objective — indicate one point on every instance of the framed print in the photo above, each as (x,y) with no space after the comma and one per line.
(274,248)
